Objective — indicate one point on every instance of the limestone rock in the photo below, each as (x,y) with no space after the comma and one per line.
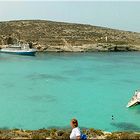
(69,37)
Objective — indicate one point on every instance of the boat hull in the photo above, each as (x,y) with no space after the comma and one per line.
(29,53)
(135,99)
(132,103)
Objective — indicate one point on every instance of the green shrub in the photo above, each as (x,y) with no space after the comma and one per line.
(111,137)
(36,137)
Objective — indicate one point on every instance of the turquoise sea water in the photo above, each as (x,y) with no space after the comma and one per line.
(51,88)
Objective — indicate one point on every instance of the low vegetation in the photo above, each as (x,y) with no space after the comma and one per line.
(60,36)
(64,134)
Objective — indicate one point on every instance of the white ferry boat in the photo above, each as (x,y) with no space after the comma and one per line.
(135,99)
(21,49)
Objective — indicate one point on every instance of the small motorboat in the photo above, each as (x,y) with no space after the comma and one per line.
(135,99)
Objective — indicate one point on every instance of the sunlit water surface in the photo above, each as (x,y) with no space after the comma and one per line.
(51,88)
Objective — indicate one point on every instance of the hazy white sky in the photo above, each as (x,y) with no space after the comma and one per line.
(114,14)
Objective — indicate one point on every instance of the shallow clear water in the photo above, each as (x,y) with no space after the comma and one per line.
(49,89)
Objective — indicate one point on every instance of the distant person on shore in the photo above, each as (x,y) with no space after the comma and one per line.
(75,133)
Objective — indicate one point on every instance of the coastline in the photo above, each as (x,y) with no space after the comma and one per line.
(64,134)
(99,47)
(50,36)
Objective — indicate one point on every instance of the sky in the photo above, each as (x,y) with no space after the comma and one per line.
(123,15)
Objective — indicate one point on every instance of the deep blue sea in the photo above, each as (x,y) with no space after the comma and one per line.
(50,89)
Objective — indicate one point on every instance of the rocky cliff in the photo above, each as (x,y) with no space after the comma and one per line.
(59,36)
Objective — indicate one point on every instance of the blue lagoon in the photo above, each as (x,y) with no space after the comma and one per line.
(48,90)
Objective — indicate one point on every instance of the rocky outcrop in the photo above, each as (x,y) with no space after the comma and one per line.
(64,134)
(99,47)
(59,36)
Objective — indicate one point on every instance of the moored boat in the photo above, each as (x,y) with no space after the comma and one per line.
(23,49)
(135,99)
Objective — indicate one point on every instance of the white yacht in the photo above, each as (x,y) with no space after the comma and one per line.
(135,99)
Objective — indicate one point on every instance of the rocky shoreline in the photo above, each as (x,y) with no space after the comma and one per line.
(64,134)
(99,47)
